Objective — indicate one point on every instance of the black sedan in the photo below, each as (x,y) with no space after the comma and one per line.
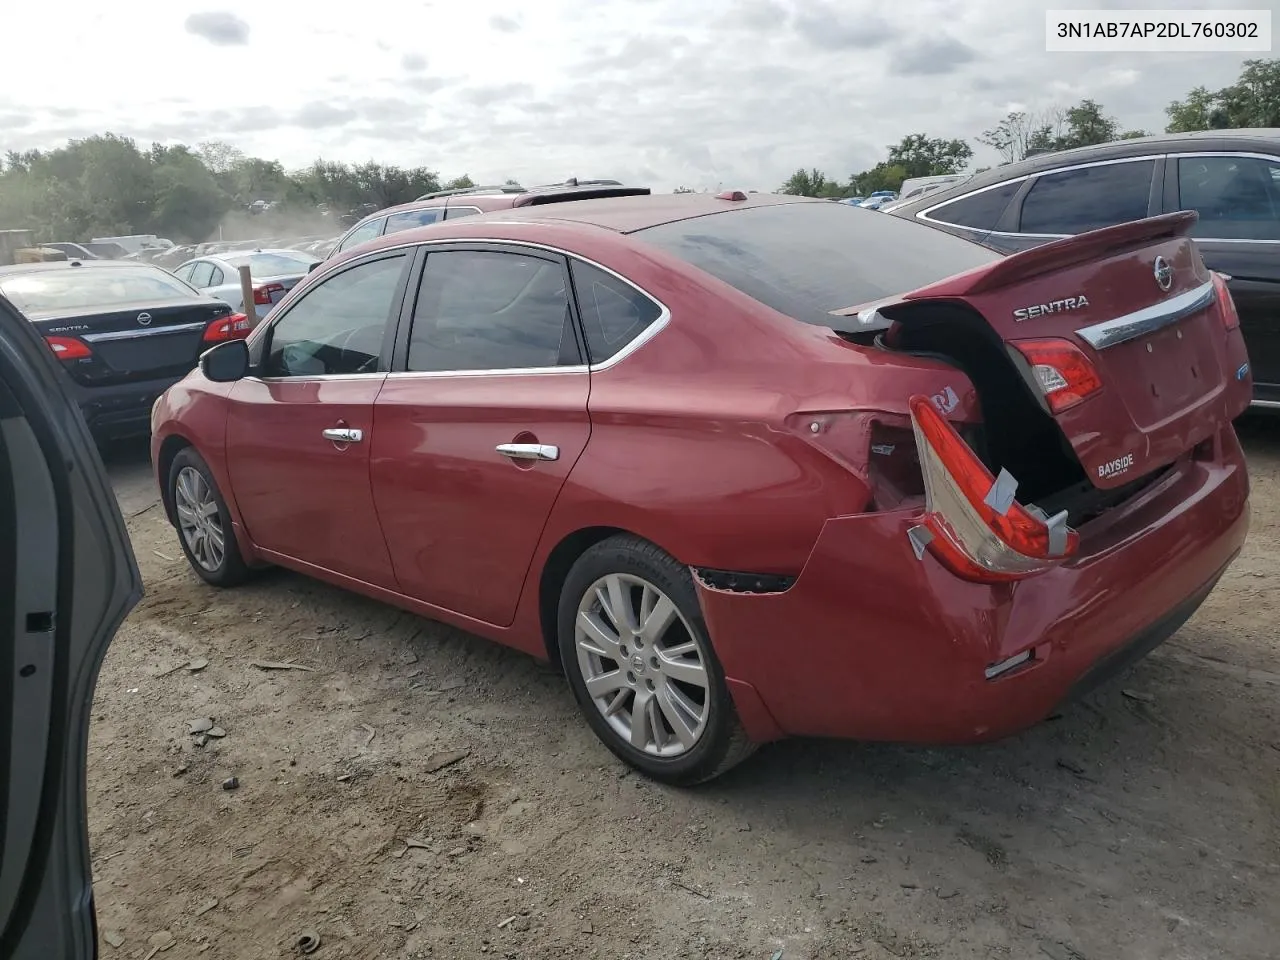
(125,332)
(1231,178)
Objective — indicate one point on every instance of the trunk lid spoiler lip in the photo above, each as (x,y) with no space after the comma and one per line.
(1059,255)
(1029,264)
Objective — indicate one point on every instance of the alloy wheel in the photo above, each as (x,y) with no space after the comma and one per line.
(642,666)
(199,519)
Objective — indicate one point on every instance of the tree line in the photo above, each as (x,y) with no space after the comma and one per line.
(1252,101)
(109,185)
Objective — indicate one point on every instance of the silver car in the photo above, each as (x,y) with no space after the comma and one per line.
(274,272)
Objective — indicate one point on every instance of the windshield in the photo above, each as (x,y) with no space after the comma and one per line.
(49,291)
(806,259)
(272,264)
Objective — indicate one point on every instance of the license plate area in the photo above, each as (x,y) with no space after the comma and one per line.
(1165,372)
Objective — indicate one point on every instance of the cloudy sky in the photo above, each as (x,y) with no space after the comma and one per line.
(664,92)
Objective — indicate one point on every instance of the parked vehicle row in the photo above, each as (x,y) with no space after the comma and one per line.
(744,466)
(274,273)
(124,332)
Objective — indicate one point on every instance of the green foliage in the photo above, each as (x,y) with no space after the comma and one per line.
(1252,101)
(1083,125)
(810,183)
(108,185)
(921,156)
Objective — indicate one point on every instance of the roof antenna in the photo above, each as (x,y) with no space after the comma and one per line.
(571,182)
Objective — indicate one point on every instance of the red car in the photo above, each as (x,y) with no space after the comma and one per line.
(745,466)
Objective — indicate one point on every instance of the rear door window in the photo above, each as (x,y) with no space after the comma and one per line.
(217,278)
(613,312)
(202,275)
(412,218)
(489,310)
(1088,198)
(807,258)
(362,234)
(1238,198)
(980,211)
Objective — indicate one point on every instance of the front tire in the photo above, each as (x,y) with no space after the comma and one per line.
(636,651)
(203,521)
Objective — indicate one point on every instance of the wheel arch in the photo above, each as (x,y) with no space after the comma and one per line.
(554,572)
(170,447)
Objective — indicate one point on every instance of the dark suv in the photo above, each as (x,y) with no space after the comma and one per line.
(1230,177)
(470,201)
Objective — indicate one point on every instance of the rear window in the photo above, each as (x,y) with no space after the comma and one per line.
(807,259)
(271,264)
(77,287)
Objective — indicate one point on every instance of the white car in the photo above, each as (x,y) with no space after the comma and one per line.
(274,273)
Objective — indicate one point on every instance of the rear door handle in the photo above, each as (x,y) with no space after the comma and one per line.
(529,451)
(343,435)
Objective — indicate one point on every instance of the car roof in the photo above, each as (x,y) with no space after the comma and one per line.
(488,202)
(1265,139)
(616,215)
(484,201)
(48,265)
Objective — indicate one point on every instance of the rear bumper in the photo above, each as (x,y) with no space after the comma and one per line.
(121,410)
(871,643)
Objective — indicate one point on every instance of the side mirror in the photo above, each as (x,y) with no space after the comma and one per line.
(313,266)
(226,362)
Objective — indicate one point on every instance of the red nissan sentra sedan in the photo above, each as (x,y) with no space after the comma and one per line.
(746,466)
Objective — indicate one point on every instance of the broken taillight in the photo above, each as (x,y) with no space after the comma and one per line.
(1061,370)
(973,523)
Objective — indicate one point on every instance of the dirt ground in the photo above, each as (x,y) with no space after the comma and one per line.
(1144,823)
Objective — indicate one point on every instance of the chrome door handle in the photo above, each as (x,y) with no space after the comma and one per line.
(529,451)
(343,435)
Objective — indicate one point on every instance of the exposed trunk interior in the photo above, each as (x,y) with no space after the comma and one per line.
(1017,433)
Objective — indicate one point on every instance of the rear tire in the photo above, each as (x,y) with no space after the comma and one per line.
(203,521)
(639,661)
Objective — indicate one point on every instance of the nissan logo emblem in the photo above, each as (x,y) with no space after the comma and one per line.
(1164,274)
(145,318)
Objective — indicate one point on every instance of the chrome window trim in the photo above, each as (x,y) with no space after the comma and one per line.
(636,342)
(924,214)
(499,372)
(323,378)
(476,211)
(651,331)
(1139,323)
(147,332)
(1266,404)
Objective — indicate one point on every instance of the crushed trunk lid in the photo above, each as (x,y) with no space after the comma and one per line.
(1127,321)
